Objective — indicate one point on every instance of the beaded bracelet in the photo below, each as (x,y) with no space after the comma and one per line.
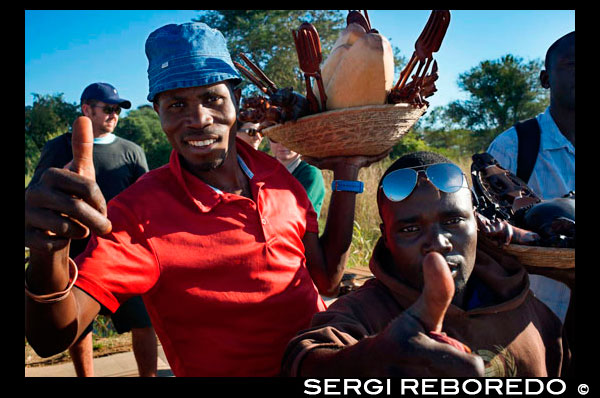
(58,296)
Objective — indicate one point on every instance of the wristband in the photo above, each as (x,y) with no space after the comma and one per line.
(347,186)
(58,296)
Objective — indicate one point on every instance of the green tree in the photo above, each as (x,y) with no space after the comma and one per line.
(142,126)
(501,92)
(265,36)
(410,142)
(443,135)
(48,117)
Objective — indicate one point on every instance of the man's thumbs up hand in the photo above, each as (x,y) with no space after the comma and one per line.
(82,144)
(83,148)
(438,290)
(410,345)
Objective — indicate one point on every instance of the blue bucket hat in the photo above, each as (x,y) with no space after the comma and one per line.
(188,55)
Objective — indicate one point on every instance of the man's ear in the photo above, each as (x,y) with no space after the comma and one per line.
(155,106)
(86,110)
(383,236)
(545,79)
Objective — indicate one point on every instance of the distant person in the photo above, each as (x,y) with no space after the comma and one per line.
(541,150)
(249,133)
(309,176)
(118,164)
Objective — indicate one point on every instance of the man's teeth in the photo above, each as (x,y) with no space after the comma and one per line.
(202,143)
(453,267)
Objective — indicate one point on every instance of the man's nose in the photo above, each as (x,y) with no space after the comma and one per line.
(437,241)
(200,117)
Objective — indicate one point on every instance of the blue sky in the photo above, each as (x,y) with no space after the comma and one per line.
(65,50)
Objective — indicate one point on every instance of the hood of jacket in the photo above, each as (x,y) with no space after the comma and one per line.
(496,276)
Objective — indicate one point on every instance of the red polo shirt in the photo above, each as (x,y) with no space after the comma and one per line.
(223,277)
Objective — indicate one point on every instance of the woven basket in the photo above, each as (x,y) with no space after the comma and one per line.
(365,130)
(536,256)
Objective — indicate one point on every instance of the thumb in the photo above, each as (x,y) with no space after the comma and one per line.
(438,290)
(83,148)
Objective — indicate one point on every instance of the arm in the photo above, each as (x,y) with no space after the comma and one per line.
(343,346)
(61,207)
(403,349)
(52,328)
(326,256)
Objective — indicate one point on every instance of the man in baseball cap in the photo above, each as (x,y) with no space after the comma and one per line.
(118,163)
(106,93)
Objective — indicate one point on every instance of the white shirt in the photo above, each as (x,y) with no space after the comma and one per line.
(554,173)
(553,176)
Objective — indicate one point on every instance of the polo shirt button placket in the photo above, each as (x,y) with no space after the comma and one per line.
(265,228)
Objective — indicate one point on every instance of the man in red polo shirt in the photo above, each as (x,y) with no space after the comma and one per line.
(222,242)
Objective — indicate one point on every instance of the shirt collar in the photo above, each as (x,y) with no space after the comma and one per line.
(292,166)
(244,167)
(106,139)
(205,196)
(551,137)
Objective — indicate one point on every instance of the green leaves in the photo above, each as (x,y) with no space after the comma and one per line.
(142,126)
(48,117)
(500,92)
(265,36)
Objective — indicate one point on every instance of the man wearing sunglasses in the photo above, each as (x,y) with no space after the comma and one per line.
(222,242)
(250,134)
(435,283)
(118,163)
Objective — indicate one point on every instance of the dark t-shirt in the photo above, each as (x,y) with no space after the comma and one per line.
(118,165)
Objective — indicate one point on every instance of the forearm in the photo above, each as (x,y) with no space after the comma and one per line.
(337,235)
(358,360)
(50,327)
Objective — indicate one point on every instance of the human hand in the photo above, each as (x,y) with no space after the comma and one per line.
(82,145)
(412,350)
(504,233)
(66,203)
(343,164)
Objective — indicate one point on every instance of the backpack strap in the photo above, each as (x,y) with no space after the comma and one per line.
(528,133)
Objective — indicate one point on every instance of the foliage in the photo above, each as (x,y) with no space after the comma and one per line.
(48,117)
(265,36)
(501,93)
(142,126)
(410,142)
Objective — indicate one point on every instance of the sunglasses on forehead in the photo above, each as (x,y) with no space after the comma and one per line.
(399,184)
(109,109)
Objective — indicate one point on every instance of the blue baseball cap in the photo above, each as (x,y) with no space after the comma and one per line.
(188,55)
(104,92)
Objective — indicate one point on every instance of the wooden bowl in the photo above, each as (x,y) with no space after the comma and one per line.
(365,130)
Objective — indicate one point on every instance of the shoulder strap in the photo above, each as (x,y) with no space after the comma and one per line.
(528,133)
